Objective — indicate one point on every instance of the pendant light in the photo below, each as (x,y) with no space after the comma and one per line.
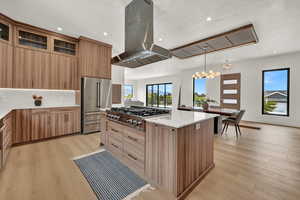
(227,65)
(204,74)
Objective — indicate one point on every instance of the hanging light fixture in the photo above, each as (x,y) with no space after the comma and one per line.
(227,65)
(204,74)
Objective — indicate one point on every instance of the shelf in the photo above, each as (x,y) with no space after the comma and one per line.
(4,32)
(65,48)
(32,41)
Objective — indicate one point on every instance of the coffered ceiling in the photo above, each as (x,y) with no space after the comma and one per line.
(176,22)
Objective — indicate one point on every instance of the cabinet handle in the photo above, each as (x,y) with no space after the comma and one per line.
(114,145)
(114,130)
(131,156)
(133,139)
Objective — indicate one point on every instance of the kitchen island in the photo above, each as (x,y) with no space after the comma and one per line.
(173,152)
(179,150)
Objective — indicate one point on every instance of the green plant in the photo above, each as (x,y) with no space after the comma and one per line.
(269,106)
(200,100)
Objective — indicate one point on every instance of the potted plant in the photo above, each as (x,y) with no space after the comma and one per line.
(37,100)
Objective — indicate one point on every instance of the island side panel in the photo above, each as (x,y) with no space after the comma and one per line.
(161,144)
(195,155)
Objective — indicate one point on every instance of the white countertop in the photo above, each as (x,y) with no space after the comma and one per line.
(5,110)
(179,119)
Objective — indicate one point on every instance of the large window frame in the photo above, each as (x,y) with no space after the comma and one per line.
(288,92)
(151,104)
(194,92)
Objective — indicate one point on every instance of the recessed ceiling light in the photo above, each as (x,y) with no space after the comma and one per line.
(160,39)
(59,28)
(105,34)
(208,19)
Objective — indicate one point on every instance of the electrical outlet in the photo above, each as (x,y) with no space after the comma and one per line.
(198,126)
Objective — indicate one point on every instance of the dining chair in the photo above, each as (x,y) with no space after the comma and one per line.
(234,120)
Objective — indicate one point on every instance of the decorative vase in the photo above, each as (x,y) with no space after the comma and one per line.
(37,102)
(205,106)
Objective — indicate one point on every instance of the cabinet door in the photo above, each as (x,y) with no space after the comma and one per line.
(6,137)
(32,69)
(6,60)
(40,124)
(94,60)
(65,122)
(64,72)
(22,132)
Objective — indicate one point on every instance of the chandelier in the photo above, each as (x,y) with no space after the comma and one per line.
(204,74)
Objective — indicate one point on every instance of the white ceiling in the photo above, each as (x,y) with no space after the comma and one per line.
(177,22)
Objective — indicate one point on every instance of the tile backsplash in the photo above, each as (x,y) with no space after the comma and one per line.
(22,98)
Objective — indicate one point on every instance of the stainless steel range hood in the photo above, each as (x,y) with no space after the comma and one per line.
(139,47)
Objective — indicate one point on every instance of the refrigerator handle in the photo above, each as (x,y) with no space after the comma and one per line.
(97,94)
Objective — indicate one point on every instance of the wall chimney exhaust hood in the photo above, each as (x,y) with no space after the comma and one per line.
(139,47)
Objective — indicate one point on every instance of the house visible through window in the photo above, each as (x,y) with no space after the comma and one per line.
(199,90)
(128,91)
(159,95)
(275,99)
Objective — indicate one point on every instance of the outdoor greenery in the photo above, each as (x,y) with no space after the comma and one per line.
(269,106)
(199,99)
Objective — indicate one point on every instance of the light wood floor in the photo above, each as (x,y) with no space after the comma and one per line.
(263,164)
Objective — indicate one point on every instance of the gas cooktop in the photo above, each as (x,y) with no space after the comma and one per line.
(140,111)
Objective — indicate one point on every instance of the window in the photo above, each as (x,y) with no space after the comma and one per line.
(159,95)
(128,91)
(199,90)
(275,98)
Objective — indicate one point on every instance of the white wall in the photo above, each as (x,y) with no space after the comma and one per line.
(251,87)
(22,98)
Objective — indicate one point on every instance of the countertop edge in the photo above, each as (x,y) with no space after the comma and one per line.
(180,126)
(8,110)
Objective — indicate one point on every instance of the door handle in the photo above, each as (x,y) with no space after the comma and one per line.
(99,93)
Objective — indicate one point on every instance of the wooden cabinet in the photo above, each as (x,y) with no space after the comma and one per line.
(40,124)
(128,144)
(6,132)
(177,159)
(116,93)
(42,70)
(32,69)
(64,121)
(30,39)
(64,47)
(22,132)
(64,72)
(6,65)
(94,58)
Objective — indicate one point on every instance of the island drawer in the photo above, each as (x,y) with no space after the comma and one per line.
(134,136)
(115,128)
(134,161)
(115,146)
(135,153)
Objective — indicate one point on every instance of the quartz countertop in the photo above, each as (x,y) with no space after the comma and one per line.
(179,119)
(5,110)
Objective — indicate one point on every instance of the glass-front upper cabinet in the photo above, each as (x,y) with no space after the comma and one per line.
(32,40)
(4,31)
(64,47)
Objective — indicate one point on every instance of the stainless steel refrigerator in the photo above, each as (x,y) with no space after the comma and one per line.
(95,96)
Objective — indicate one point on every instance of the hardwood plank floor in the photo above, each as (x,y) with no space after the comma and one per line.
(263,164)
